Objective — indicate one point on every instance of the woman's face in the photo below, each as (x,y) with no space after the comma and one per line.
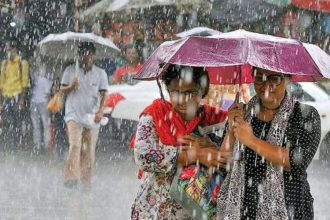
(270,86)
(185,96)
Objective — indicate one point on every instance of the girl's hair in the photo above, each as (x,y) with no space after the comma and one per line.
(199,76)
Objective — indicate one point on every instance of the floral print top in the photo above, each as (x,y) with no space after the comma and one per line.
(158,162)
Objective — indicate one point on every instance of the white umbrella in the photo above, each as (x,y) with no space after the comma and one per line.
(198,31)
(65,45)
(96,11)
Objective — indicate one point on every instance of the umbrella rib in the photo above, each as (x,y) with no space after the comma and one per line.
(169,61)
(315,64)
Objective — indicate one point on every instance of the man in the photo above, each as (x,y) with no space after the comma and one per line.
(14,83)
(85,88)
(124,73)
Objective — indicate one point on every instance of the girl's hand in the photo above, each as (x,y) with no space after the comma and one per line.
(195,142)
(201,148)
(208,156)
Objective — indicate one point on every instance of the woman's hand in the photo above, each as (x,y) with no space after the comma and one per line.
(243,131)
(224,156)
(235,111)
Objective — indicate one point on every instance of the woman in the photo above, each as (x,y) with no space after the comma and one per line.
(280,136)
(157,150)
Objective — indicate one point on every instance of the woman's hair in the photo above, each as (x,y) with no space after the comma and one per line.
(199,76)
(255,69)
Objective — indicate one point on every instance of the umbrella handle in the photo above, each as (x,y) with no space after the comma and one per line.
(160,90)
(237,97)
(77,68)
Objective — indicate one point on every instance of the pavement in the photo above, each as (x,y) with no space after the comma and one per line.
(32,188)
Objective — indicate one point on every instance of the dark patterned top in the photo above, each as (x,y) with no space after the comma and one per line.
(302,137)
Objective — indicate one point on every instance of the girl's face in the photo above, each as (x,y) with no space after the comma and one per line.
(185,96)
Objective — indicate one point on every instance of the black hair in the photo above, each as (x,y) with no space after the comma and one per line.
(13,43)
(284,75)
(200,76)
(86,46)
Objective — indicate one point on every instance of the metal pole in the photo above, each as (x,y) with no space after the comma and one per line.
(75,16)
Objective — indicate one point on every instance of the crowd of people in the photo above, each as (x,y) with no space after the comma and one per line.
(25,94)
(25,91)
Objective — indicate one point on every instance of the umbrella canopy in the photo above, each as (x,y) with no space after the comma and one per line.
(96,11)
(316,5)
(198,31)
(305,62)
(65,45)
(236,12)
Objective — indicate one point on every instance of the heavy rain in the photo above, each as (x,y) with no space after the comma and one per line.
(164,109)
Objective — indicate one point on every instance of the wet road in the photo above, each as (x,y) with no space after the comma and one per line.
(32,188)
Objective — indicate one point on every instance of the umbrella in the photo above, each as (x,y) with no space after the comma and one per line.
(198,31)
(213,72)
(306,62)
(316,5)
(64,46)
(96,11)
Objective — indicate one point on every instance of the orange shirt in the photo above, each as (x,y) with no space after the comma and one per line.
(121,71)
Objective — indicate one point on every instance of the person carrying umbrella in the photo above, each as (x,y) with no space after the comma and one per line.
(156,148)
(279,138)
(85,88)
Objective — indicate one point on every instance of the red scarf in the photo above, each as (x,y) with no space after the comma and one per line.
(170,125)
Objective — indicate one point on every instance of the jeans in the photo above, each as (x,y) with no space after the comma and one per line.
(41,125)
(12,123)
(81,152)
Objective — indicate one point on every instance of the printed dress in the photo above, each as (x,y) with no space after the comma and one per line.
(158,163)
